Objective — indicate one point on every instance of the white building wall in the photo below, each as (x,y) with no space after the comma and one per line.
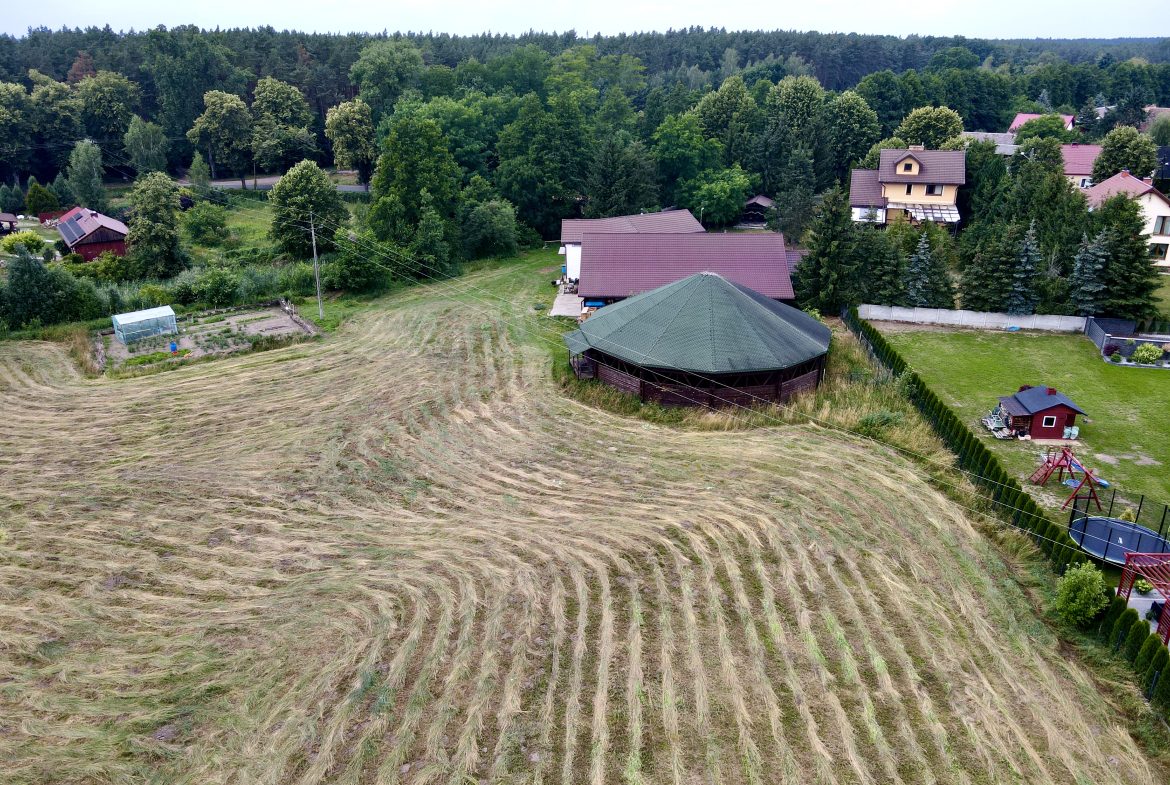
(1154,208)
(573,260)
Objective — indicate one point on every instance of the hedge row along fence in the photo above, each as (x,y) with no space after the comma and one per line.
(1121,629)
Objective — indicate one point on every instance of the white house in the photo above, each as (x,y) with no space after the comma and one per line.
(665,222)
(1154,204)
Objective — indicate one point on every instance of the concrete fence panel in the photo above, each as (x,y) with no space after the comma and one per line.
(977,320)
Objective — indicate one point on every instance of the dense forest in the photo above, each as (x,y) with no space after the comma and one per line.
(474,145)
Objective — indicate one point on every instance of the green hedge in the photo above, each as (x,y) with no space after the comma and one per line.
(1121,628)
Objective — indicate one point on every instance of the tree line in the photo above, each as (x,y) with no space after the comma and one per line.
(481,156)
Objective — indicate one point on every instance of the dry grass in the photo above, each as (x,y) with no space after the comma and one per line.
(401,555)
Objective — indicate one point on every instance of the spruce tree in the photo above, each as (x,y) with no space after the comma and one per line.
(1130,280)
(827,278)
(1087,290)
(64,193)
(1022,296)
(11,199)
(885,279)
(984,283)
(918,274)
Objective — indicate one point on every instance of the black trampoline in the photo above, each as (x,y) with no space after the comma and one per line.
(1110,539)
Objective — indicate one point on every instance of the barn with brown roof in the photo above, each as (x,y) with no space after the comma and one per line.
(702,341)
(88,233)
(616,266)
(573,231)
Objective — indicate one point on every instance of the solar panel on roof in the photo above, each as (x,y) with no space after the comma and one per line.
(70,231)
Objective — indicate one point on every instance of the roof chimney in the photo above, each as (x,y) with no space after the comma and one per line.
(1052,391)
(918,147)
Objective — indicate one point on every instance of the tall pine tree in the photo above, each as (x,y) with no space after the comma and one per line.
(918,274)
(1087,288)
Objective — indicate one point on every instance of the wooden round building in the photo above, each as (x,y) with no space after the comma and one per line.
(701,341)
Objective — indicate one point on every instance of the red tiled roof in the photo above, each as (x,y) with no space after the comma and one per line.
(665,222)
(946,167)
(1079,158)
(621,265)
(1024,117)
(761,200)
(80,222)
(1121,183)
(864,189)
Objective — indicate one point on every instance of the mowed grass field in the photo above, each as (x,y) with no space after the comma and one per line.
(402,555)
(1127,434)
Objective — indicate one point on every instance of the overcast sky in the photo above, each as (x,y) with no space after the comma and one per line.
(975,18)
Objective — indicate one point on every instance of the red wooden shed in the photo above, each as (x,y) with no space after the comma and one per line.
(1039,412)
(89,233)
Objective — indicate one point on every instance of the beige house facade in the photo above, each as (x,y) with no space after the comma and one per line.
(914,183)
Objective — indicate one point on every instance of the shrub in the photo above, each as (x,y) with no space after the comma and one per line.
(40,200)
(1080,595)
(1146,654)
(490,230)
(1110,349)
(1115,357)
(1161,696)
(1146,354)
(219,286)
(155,294)
(26,237)
(206,223)
(1116,607)
(1156,665)
(1134,640)
(1122,627)
(1142,586)
(1127,515)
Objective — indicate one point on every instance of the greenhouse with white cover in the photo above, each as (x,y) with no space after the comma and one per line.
(134,326)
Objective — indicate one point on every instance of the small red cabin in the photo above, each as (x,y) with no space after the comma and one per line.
(89,233)
(1039,412)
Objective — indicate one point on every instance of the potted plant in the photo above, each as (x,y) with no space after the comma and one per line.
(1142,586)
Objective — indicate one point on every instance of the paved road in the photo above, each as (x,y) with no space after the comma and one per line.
(266,183)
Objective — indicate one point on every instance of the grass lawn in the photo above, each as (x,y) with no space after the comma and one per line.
(1163,295)
(1127,434)
(402,554)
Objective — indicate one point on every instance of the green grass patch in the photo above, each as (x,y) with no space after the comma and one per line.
(1126,435)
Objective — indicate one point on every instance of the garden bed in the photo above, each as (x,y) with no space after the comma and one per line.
(205,335)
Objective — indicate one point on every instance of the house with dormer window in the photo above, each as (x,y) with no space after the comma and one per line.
(915,183)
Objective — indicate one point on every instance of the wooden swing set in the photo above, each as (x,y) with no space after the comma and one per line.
(1060,460)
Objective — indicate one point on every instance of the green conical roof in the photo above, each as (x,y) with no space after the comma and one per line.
(703,324)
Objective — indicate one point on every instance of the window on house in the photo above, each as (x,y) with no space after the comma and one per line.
(1162,224)
(1158,251)
(907,167)
(1048,422)
(909,188)
(934,190)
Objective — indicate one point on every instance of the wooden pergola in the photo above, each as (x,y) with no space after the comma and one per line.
(1155,568)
